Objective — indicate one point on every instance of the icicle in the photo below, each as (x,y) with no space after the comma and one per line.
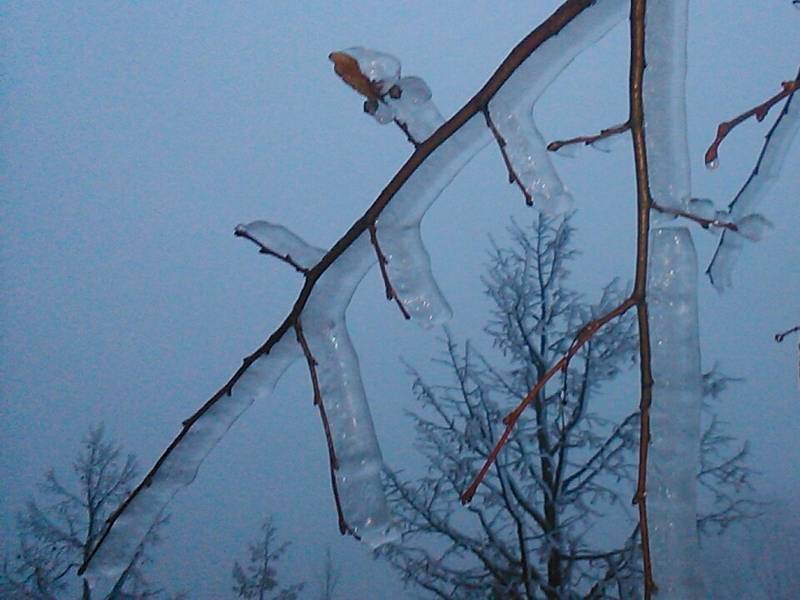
(179,464)
(674,415)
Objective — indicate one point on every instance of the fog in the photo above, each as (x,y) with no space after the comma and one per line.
(135,136)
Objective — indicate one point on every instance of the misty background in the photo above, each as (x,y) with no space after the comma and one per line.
(136,135)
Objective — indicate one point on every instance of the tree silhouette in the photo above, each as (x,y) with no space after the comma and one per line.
(259,577)
(56,533)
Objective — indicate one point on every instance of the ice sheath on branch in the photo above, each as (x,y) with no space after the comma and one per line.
(392,222)
(672,309)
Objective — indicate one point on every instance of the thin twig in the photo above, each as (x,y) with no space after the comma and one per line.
(779,337)
(510,420)
(759,112)
(588,140)
(243,233)
(702,221)
(644,204)
(391,294)
(332,460)
(501,143)
(753,177)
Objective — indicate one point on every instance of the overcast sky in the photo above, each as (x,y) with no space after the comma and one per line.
(136,135)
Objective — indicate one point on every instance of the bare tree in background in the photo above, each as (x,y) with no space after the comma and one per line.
(258,578)
(56,533)
(330,576)
(536,529)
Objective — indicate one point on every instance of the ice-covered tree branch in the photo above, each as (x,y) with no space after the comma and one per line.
(323,298)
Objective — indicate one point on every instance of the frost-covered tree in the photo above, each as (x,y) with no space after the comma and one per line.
(57,531)
(258,578)
(553,517)
(331,575)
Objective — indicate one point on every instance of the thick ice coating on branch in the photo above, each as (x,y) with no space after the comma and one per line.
(665,105)
(282,242)
(768,166)
(512,107)
(674,415)
(178,466)
(672,464)
(358,457)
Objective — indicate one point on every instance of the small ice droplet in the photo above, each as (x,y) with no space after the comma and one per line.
(713,165)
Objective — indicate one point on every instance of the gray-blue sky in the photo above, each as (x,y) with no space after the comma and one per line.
(135,136)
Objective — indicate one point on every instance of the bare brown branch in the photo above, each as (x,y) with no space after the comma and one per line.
(644,204)
(588,140)
(703,222)
(501,143)
(759,112)
(510,420)
(391,293)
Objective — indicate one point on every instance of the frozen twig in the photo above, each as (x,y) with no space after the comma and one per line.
(588,140)
(779,337)
(768,164)
(759,112)
(702,221)
(501,143)
(391,293)
(318,402)
(243,233)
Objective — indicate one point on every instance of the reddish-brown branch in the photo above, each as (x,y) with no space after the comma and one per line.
(759,112)
(391,294)
(703,222)
(333,463)
(243,233)
(551,27)
(501,143)
(588,140)
(644,204)
(510,420)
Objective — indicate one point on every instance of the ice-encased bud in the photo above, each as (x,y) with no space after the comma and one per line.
(379,67)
